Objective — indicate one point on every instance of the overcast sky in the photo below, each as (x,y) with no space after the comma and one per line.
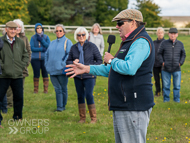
(170,7)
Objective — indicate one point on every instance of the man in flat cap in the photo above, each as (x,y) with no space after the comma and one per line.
(171,55)
(129,71)
(13,59)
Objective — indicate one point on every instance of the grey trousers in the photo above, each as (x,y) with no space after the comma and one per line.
(131,126)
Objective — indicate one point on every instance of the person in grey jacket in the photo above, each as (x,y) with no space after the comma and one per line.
(96,37)
(171,55)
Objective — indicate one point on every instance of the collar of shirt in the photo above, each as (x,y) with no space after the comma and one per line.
(127,35)
(9,39)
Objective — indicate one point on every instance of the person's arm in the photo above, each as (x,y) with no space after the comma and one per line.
(78,68)
(1,44)
(33,48)
(70,57)
(45,42)
(183,55)
(25,57)
(68,48)
(160,54)
(138,52)
(46,56)
(97,56)
(102,46)
(28,50)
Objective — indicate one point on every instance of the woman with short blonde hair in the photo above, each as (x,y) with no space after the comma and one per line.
(86,53)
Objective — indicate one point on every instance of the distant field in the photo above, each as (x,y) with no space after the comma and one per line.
(169,122)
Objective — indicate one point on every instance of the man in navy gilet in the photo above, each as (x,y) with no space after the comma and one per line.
(129,71)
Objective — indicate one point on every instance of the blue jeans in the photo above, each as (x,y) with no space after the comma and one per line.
(131,126)
(84,88)
(60,85)
(166,78)
(4,104)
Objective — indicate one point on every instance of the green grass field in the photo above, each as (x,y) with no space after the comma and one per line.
(169,122)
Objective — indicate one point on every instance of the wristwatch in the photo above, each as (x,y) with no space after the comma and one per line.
(110,60)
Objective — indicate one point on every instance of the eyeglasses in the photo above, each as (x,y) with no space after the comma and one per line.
(39,28)
(121,22)
(79,35)
(59,31)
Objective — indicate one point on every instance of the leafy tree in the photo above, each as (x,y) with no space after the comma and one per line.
(74,12)
(150,12)
(166,23)
(12,9)
(106,10)
(39,11)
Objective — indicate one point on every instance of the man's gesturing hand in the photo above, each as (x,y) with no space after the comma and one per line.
(76,69)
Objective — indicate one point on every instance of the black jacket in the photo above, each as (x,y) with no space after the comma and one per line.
(171,54)
(91,57)
(156,46)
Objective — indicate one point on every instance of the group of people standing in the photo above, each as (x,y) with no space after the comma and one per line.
(130,94)
(169,57)
(48,58)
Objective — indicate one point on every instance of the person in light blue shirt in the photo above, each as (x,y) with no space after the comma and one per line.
(55,61)
(129,71)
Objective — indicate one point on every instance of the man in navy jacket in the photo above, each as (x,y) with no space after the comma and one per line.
(129,71)
(171,55)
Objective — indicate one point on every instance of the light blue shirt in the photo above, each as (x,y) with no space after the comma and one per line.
(138,52)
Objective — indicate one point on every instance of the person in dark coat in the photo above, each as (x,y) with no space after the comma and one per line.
(13,59)
(129,73)
(4,103)
(86,53)
(171,55)
(157,66)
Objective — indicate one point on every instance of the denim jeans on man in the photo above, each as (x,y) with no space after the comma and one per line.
(4,105)
(17,89)
(60,85)
(131,126)
(166,78)
(84,88)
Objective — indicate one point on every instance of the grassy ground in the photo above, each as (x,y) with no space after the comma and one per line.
(169,122)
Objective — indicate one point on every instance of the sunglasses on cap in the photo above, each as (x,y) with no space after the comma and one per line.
(79,35)
(121,22)
(59,31)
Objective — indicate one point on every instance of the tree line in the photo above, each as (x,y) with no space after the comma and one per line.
(77,12)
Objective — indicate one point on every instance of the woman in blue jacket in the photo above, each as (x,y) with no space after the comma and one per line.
(39,44)
(86,53)
(55,61)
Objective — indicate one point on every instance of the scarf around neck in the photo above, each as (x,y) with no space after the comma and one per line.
(81,56)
